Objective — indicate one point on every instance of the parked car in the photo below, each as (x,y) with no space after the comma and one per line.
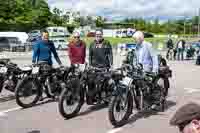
(91,34)
(118,33)
(60,43)
(124,47)
(121,33)
(131,46)
(196,45)
(13,40)
(148,35)
(34,33)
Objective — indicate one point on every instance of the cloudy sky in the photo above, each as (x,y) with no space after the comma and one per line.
(118,9)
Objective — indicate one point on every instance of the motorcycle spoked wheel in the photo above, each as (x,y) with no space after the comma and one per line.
(1,83)
(117,104)
(69,98)
(160,86)
(26,88)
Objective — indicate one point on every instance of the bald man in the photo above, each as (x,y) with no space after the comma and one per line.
(145,54)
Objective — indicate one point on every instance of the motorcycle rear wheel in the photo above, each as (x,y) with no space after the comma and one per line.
(22,90)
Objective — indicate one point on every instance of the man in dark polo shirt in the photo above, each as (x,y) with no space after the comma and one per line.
(100,52)
(100,56)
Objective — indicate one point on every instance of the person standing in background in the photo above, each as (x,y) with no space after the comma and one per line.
(180,49)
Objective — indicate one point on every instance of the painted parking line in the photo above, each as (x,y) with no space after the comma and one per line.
(3,113)
(116,130)
(191,90)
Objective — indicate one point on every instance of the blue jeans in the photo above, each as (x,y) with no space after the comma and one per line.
(180,54)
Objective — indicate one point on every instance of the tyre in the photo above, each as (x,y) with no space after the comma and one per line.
(27,88)
(163,92)
(67,100)
(1,83)
(116,105)
(139,99)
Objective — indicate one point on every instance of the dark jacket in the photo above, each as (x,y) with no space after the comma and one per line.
(77,53)
(170,44)
(42,51)
(101,57)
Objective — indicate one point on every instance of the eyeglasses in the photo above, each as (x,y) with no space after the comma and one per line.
(77,37)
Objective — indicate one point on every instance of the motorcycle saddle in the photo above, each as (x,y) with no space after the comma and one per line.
(4,61)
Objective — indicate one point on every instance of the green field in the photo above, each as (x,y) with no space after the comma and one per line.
(158,42)
(115,41)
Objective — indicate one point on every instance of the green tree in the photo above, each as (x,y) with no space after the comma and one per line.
(23,15)
(99,21)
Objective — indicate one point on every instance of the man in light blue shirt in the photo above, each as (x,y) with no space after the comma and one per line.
(145,54)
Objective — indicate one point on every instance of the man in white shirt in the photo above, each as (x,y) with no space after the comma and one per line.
(181,49)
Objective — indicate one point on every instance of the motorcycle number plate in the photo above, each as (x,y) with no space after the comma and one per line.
(35,70)
(126,81)
(3,69)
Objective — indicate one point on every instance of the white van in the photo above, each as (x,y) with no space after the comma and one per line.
(57,31)
(60,43)
(12,40)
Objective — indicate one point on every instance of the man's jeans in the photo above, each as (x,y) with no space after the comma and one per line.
(169,53)
(180,54)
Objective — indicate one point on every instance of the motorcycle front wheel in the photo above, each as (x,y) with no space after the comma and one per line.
(122,105)
(1,83)
(27,92)
(69,103)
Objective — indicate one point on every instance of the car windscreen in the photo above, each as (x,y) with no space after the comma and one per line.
(61,40)
(8,40)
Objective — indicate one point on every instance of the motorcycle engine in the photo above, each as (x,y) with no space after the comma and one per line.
(10,84)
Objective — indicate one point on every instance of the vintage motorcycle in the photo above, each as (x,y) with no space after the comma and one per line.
(44,79)
(10,74)
(139,88)
(95,85)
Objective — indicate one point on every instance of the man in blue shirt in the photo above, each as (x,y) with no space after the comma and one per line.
(43,49)
(145,54)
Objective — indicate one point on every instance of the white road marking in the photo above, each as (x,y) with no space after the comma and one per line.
(3,113)
(115,130)
(191,90)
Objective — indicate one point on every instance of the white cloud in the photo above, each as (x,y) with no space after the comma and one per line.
(130,8)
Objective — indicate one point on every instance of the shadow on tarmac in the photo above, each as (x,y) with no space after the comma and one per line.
(93,109)
(34,131)
(146,114)
(7,98)
(41,103)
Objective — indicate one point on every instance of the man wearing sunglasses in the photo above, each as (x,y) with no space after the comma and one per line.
(100,52)
(77,50)
(187,118)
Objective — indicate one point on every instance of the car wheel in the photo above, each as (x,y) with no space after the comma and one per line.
(59,47)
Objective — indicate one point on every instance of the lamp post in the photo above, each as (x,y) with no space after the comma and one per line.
(199,22)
